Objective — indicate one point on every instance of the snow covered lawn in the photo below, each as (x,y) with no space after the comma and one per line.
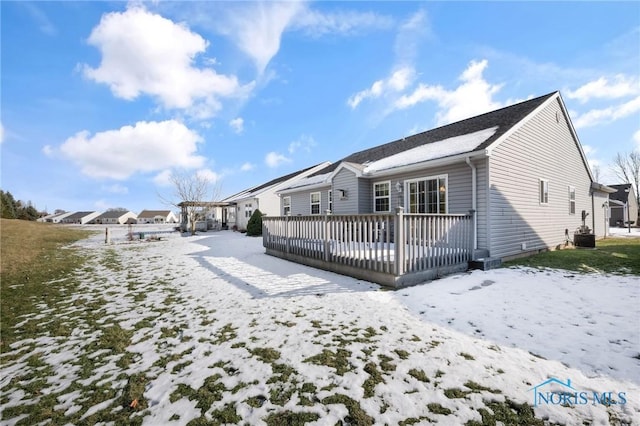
(209,328)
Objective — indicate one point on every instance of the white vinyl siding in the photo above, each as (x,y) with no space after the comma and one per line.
(382,197)
(541,148)
(315,198)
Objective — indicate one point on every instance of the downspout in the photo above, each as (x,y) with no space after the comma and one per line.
(474,202)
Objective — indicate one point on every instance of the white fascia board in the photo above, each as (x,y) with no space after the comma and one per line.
(345,165)
(305,188)
(427,164)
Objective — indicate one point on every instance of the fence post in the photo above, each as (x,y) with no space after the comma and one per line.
(326,235)
(286,233)
(107,236)
(472,240)
(399,240)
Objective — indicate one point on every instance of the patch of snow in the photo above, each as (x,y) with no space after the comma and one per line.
(431,151)
(311,180)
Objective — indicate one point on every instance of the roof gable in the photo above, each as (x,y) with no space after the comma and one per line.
(154,213)
(622,192)
(502,119)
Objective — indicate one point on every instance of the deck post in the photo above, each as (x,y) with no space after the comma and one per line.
(399,240)
(325,237)
(472,241)
(286,233)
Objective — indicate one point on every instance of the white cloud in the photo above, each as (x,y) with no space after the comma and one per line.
(44,23)
(396,82)
(145,147)
(48,150)
(474,96)
(1,132)
(144,53)
(410,33)
(257,28)
(317,23)
(102,205)
(304,142)
(603,88)
(237,124)
(116,189)
(163,178)
(247,167)
(607,115)
(273,159)
(208,175)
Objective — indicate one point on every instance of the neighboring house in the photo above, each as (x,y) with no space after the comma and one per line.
(521,169)
(115,217)
(157,216)
(54,217)
(264,197)
(80,218)
(623,204)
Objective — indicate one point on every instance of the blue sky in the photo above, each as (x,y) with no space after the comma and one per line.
(103,101)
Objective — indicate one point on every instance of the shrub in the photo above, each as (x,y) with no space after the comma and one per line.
(254,226)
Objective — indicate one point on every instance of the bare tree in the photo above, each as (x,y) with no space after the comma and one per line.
(627,168)
(190,193)
(596,172)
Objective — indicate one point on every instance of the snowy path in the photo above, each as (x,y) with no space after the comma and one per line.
(216,330)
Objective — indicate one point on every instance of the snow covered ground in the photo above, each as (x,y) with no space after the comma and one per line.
(221,331)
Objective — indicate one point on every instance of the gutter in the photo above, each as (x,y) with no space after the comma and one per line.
(474,201)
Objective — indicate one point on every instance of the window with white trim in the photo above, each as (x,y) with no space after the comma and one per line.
(248,210)
(544,191)
(286,206)
(315,203)
(330,200)
(428,195)
(572,200)
(381,197)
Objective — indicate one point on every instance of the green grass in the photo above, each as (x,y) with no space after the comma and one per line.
(32,256)
(612,255)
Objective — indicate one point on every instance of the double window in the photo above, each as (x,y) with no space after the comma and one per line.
(428,195)
(381,197)
(286,206)
(330,200)
(315,203)
(248,210)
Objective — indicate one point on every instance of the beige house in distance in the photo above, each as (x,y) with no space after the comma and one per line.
(157,216)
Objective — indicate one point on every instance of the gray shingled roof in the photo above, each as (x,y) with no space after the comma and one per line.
(77,215)
(503,118)
(620,195)
(248,192)
(112,214)
(153,213)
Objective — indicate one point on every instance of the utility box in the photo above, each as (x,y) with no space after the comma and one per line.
(584,240)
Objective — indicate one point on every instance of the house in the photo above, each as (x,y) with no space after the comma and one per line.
(54,217)
(157,216)
(80,218)
(519,173)
(115,217)
(623,205)
(241,205)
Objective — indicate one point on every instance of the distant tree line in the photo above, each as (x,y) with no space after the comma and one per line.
(16,209)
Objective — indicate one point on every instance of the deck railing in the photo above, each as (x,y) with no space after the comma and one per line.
(395,244)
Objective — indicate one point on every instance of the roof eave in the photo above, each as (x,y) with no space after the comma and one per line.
(429,163)
(304,188)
